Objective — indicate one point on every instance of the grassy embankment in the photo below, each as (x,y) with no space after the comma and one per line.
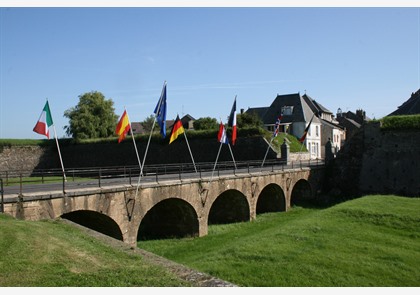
(371,241)
(55,254)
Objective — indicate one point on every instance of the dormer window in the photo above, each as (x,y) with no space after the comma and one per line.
(287,110)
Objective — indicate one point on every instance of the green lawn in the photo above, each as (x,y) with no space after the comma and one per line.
(371,241)
(51,253)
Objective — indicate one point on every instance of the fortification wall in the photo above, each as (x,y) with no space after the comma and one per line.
(377,161)
(123,154)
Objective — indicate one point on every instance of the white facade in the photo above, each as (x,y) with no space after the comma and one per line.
(313,138)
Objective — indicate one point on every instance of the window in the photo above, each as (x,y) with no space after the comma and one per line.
(287,110)
(316,131)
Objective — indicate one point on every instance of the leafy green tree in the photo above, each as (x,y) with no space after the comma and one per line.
(148,123)
(247,120)
(93,117)
(205,123)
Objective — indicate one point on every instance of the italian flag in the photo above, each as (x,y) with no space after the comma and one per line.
(44,121)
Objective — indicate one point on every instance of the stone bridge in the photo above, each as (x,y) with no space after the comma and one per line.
(176,208)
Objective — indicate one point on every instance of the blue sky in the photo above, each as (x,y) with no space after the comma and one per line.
(346,58)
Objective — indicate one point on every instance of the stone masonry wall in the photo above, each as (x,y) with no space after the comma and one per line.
(376,161)
(123,154)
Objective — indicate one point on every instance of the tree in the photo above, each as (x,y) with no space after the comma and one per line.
(247,120)
(93,117)
(148,123)
(205,123)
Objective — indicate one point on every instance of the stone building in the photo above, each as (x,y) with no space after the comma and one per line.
(351,122)
(410,107)
(296,115)
(330,127)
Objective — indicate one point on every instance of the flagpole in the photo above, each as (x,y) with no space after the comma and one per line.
(134,142)
(58,146)
(59,153)
(215,163)
(150,136)
(272,138)
(234,163)
(145,155)
(300,152)
(269,145)
(230,149)
(190,151)
(305,138)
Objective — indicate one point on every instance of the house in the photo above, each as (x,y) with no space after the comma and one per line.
(187,123)
(410,107)
(296,115)
(350,121)
(137,128)
(330,127)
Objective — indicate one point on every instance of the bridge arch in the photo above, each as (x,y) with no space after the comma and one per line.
(271,199)
(301,193)
(229,207)
(170,218)
(95,221)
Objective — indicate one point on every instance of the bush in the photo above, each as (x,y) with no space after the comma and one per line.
(407,122)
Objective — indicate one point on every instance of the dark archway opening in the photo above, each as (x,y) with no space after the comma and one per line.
(171,218)
(271,199)
(230,207)
(302,194)
(95,221)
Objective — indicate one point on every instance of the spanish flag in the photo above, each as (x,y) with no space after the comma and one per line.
(177,129)
(123,127)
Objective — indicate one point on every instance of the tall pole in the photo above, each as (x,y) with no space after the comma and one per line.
(150,136)
(300,152)
(59,153)
(234,163)
(269,145)
(134,142)
(190,152)
(215,163)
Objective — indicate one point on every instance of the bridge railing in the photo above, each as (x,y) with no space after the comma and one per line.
(2,196)
(20,181)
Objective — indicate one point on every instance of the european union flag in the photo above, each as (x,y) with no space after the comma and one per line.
(160,111)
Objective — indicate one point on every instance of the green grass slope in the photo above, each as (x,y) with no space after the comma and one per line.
(51,253)
(371,241)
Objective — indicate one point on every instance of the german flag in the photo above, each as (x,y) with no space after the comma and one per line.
(177,129)
(305,132)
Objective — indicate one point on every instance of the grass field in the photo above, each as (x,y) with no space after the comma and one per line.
(370,241)
(54,254)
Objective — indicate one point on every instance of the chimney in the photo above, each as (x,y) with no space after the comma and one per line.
(361,115)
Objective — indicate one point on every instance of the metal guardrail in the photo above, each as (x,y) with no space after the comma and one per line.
(2,196)
(99,176)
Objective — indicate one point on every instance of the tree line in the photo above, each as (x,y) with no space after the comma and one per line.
(94,117)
